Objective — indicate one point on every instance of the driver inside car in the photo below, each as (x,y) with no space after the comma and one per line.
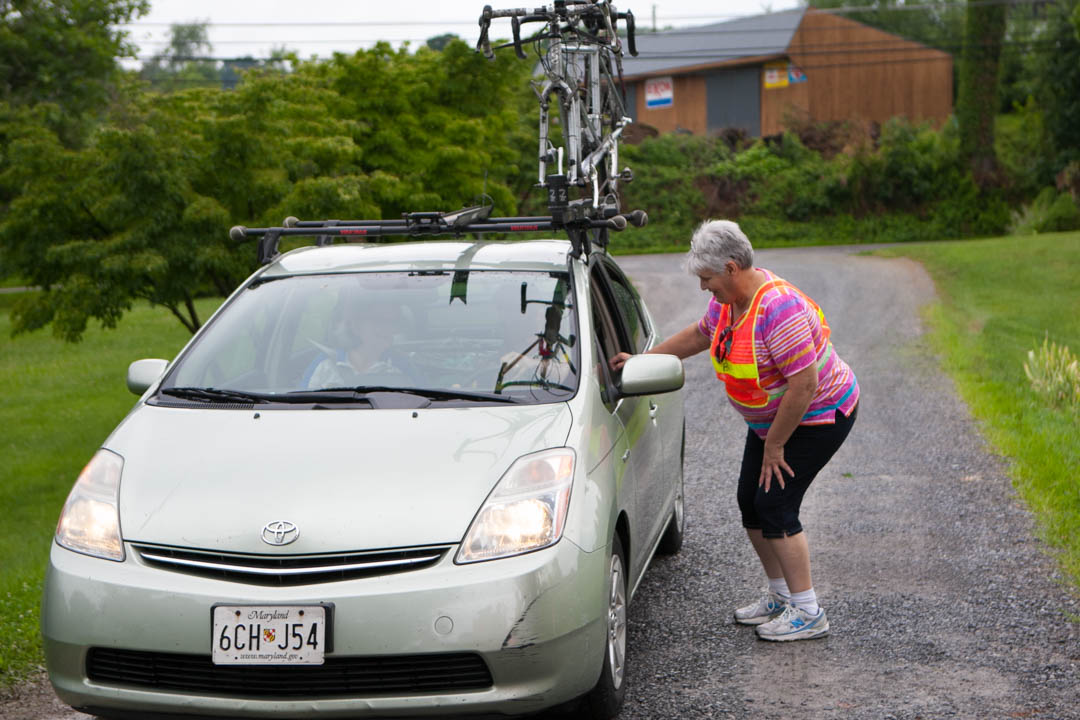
(363,335)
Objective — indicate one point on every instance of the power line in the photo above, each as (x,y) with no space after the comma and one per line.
(749,51)
(907,7)
(1034,46)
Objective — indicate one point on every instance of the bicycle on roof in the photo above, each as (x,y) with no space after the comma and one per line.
(580,51)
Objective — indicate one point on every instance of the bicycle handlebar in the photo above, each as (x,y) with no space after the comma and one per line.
(630,44)
(549,11)
(553,13)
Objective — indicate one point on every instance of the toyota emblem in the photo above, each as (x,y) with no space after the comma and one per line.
(279,532)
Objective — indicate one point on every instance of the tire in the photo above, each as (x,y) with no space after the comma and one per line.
(672,540)
(605,700)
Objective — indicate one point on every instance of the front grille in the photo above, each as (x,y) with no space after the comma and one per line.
(337,677)
(289,570)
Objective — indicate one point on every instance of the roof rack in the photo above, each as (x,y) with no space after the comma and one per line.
(584,230)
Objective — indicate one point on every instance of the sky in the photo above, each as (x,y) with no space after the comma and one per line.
(240,28)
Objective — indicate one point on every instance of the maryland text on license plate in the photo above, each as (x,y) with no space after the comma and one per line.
(269,634)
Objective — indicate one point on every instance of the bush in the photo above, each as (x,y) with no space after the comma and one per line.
(1051,211)
(1054,373)
(1023,149)
(667,172)
(912,166)
(906,183)
(966,211)
(783,179)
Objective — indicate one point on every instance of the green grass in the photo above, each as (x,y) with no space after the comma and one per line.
(8,299)
(59,403)
(999,298)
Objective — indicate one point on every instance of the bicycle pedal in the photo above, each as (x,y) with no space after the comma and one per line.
(627,175)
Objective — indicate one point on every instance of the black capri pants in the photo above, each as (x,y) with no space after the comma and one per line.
(810,447)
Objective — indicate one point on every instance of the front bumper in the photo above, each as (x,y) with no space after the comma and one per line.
(538,621)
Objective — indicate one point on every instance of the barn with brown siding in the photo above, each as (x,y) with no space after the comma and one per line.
(748,73)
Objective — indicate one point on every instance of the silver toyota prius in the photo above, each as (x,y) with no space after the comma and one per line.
(383,480)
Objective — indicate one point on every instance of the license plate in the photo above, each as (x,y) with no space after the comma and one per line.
(269,634)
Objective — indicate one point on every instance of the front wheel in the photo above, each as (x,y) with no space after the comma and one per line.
(606,698)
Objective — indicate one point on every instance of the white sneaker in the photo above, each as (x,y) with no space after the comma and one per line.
(765,609)
(794,624)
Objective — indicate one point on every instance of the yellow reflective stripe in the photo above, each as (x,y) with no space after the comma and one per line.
(746,371)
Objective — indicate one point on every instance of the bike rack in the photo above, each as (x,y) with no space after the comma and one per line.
(584,232)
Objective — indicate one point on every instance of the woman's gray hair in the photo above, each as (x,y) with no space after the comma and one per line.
(714,243)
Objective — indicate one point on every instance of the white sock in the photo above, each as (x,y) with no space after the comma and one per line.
(779,586)
(806,601)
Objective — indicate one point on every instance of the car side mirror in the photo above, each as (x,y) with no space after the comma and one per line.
(651,375)
(142,374)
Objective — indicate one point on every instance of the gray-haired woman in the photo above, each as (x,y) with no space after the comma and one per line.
(769,344)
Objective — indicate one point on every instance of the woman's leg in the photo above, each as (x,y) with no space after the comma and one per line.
(792,554)
(766,554)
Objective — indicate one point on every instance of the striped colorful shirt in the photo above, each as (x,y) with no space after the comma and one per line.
(788,339)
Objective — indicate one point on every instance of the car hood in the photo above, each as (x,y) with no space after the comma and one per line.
(348,479)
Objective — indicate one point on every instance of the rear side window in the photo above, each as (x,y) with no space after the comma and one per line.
(628,303)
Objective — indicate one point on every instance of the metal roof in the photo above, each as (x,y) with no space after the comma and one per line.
(760,35)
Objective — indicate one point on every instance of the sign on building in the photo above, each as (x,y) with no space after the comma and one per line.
(776,75)
(659,92)
(781,74)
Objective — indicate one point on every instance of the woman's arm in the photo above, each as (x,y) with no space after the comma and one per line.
(688,341)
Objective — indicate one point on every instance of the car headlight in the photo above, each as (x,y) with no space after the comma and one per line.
(526,511)
(90,520)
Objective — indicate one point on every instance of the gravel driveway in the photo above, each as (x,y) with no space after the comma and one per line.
(941,602)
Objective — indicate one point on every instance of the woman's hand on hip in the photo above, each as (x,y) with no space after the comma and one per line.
(773,465)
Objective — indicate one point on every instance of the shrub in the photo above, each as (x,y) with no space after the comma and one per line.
(966,211)
(1050,211)
(1054,373)
(1023,149)
(667,171)
(906,182)
(912,165)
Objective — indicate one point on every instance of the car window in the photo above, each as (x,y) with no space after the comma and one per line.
(506,333)
(628,304)
(605,335)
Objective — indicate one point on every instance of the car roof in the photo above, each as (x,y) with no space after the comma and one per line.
(531,255)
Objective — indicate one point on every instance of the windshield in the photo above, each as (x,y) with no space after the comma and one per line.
(447,336)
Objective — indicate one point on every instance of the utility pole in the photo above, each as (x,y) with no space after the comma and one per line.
(654,17)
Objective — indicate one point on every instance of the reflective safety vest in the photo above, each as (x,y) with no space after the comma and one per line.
(735,345)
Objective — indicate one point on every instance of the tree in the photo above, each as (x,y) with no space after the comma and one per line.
(142,212)
(182,64)
(977,101)
(1057,89)
(438,42)
(63,52)
(937,23)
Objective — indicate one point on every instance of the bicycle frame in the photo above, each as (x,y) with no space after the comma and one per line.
(581,59)
(582,170)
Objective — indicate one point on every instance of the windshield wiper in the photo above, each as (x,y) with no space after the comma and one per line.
(210,394)
(430,393)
